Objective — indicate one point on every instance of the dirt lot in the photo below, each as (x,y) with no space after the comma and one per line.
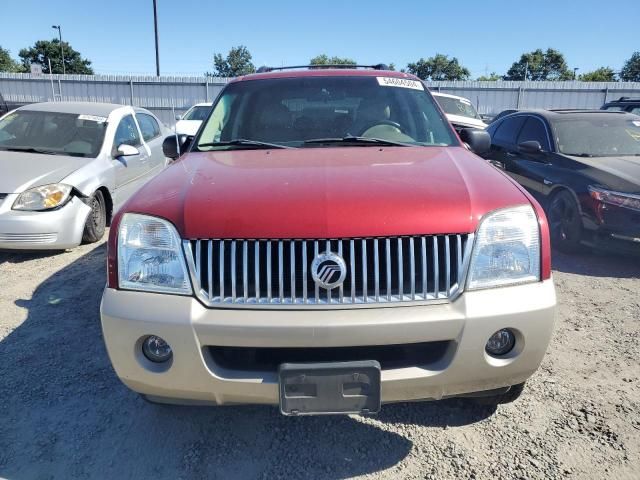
(64,414)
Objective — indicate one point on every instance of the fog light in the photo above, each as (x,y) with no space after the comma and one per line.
(156,349)
(501,342)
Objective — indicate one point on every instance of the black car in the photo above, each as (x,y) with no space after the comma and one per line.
(582,166)
(624,104)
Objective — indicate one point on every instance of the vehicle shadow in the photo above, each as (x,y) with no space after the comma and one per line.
(63,412)
(21,256)
(597,264)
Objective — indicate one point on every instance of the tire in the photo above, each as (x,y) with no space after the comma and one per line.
(97,220)
(509,396)
(565,222)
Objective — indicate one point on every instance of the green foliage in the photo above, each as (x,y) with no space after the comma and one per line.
(540,65)
(326,60)
(44,50)
(439,67)
(492,77)
(8,64)
(236,64)
(631,70)
(602,74)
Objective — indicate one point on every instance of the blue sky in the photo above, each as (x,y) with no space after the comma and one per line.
(488,35)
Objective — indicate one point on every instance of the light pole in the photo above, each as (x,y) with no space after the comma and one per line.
(57,27)
(575,69)
(155,27)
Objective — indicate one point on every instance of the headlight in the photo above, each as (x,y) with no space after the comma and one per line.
(625,200)
(45,197)
(506,250)
(150,257)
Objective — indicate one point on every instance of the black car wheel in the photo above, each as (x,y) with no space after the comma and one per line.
(565,222)
(97,220)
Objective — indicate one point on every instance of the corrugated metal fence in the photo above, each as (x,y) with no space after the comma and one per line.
(162,94)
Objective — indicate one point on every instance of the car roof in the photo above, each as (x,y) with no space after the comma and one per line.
(325,72)
(561,113)
(80,108)
(204,104)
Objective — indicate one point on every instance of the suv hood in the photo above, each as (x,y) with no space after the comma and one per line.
(22,170)
(326,192)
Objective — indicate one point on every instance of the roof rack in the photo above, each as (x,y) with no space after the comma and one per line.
(379,66)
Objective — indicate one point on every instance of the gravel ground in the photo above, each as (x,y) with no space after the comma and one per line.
(64,414)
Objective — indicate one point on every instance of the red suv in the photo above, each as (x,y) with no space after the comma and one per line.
(327,243)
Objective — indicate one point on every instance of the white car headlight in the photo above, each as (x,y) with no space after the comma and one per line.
(150,256)
(506,250)
(44,197)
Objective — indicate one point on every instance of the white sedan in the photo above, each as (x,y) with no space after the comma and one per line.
(68,166)
(189,123)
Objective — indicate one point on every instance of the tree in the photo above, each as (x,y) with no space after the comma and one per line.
(8,64)
(327,60)
(439,67)
(540,65)
(492,77)
(602,74)
(631,70)
(45,50)
(237,63)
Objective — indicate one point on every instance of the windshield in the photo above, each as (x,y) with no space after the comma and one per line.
(323,111)
(198,113)
(457,106)
(53,133)
(599,135)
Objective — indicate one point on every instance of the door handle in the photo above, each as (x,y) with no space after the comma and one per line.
(511,154)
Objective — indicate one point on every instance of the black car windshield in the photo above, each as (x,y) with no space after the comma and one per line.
(52,133)
(316,112)
(457,106)
(199,112)
(598,135)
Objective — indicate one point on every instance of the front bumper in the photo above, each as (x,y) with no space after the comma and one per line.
(50,230)
(193,376)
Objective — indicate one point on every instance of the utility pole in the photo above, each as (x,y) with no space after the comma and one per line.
(574,72)
(57,27)
(155,26)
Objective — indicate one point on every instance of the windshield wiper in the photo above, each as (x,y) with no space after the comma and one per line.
(363,140)
(243,142)
(32,150)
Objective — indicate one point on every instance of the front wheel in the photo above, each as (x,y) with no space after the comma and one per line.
(565,223)
(97,220)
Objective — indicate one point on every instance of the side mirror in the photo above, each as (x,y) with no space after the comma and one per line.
(530,146)
(125,150)
(178,117)
(479,141)
(173,146)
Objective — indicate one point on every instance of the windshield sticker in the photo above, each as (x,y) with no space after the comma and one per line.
(400,82)
(92,118)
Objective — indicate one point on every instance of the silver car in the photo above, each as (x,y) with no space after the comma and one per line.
(66,167)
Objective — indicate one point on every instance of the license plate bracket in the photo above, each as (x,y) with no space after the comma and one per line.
(329,388)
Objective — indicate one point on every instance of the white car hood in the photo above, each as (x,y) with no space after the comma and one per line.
(188,127)
(466,121)
(20,171)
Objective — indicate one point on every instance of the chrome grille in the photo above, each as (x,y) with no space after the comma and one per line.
(256,273)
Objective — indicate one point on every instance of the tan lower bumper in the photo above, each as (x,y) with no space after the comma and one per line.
(189,328)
